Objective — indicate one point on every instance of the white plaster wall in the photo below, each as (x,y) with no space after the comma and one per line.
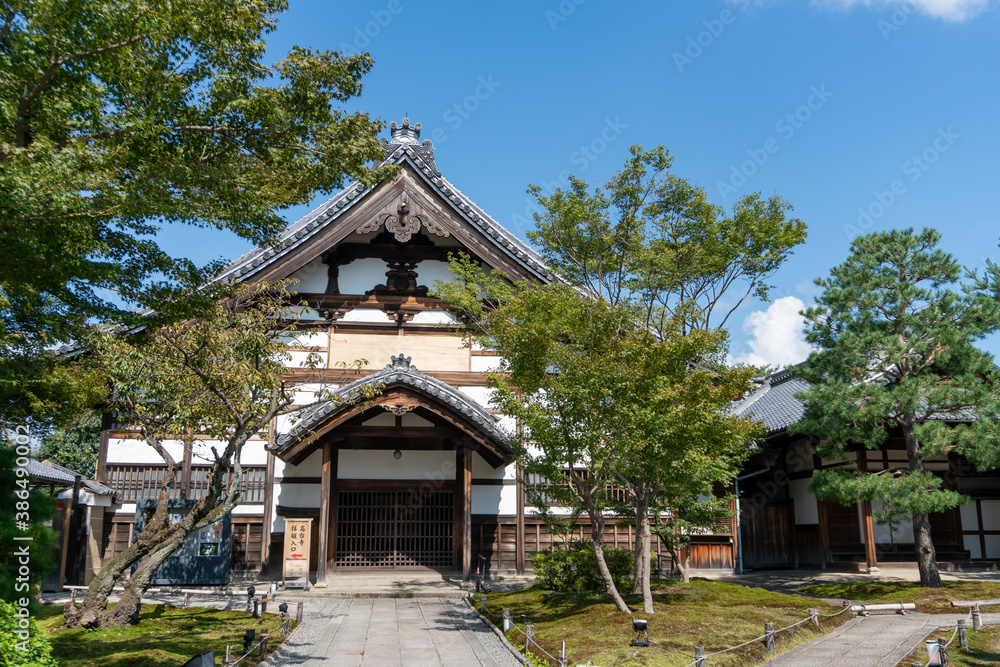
(388,419)
(480,395)
(991,515)
(299,359)
(365,315)
(972,545)
(483,470)
(430,270)
(380,464)
(312,277)
(361,275)
(297,495)
(970,519)
(494,499)
(308,468)
(305,313)
(126,508)
(249,510)
(434,317)
(254,453)
(308,338)
(806,508)
(484,364)
(130,450)
(305,393)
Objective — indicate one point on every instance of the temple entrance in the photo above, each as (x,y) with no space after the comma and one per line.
(395,529)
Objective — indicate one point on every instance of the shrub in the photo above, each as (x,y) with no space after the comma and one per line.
(22,642)
(571,567)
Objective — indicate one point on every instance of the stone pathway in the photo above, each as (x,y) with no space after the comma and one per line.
(417,632)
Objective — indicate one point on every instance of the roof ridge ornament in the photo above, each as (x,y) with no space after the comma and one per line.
(404,133)
(401,363)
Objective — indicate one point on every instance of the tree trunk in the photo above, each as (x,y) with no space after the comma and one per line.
(95,603)
(609,581)
(126,612)
(639,547)
(922,543)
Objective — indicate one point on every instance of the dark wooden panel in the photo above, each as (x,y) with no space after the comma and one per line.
(808,545)
(843,527)
(768,535)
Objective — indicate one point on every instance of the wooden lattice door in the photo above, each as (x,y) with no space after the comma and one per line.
(395,529)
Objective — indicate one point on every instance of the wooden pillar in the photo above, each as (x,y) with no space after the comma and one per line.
(465,484)
(824,534)
(868,526)
(324,514)
(331,526)
(519,533)
(101,472)
(67,517)
(186,466)
(265,538)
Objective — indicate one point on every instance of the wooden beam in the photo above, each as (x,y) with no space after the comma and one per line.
(400,432)
(265,539)
(867,525)
(324,515)
(68,509)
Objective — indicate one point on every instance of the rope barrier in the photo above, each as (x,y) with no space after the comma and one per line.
(523,634)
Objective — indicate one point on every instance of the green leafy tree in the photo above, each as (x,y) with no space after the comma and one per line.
(603,400)
(24,512)
(75,446)
(652,242)
(895,332)
(121,117)
(222,376)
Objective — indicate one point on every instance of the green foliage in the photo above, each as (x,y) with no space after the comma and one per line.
(22,644)
(572,567)
(35,507)
(120,118)
(75,446)
(895,329)
(652,239)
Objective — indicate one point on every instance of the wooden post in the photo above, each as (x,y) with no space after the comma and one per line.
(68,509)
(482,604)
(699,656)
(943,653)
(507,621)
(263,604)
(298,614)
(519,538)
(769,637)
(977,620)
(814,617)
(324,515)
(72,596)
(963,635)
(466,537)
(284,625)
(868,526)
(263,644)
(331,544)
(529,638)
(228,660)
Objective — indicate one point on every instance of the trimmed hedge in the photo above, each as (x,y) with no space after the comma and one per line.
(571,567)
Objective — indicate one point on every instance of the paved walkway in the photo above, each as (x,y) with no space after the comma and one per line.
(388,632)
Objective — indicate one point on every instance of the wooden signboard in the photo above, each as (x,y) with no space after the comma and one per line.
(295,569)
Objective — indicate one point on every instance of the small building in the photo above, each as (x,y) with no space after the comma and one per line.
(783,525)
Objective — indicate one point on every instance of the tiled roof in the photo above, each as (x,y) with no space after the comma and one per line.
(399,372)
(46,471)
(774,402)
(402,148)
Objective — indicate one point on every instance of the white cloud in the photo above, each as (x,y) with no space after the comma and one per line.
(948,10)
(777,335)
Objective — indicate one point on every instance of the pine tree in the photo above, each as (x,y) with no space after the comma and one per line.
(895,330)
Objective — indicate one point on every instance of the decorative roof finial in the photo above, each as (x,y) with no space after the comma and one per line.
(404,133)
(401,362)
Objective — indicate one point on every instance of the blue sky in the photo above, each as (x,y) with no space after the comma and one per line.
(864,115)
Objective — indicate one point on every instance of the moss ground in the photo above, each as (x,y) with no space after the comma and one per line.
(165,637)
(712,614)
(928,600)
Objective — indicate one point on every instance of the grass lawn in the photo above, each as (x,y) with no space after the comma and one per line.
(712,614)
(928,600)
(984,649)
(165,637)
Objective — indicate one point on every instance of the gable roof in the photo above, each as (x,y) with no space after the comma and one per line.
(774,403)
(403,148)
(53,473)
(400,373)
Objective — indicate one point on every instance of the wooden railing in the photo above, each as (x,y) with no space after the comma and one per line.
(135,482)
